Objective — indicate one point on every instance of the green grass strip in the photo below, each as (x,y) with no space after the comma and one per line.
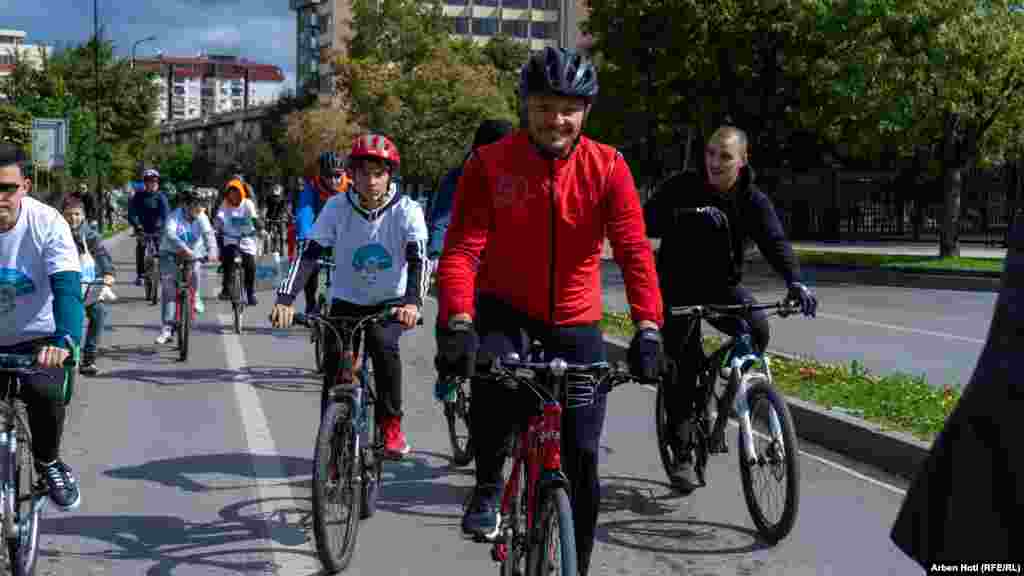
(907,261)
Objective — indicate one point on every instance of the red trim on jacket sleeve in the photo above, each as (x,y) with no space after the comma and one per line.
(626,230)
(463,243)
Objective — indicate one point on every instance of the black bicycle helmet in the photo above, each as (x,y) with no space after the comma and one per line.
(330,162)
(558,71)
(189,196)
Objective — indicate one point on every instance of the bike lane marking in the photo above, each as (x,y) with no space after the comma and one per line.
(299,559)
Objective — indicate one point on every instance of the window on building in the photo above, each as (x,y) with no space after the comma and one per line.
(455,2)
(485,2)
(485,26)
(544,30)
(516,28)
(546,4)
(462,25)
(515,3)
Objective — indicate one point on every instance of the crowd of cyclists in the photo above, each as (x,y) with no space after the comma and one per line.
(515,239)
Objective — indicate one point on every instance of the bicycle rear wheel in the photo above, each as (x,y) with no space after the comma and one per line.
(456,412)
(22,549)
(554,549)
(184,324)
(777,459)
(336,501)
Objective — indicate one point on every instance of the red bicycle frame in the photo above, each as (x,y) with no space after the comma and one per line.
(539,449)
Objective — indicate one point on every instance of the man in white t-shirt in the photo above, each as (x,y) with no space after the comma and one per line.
(41,312)
(189,234)
(238,221)
(379,239)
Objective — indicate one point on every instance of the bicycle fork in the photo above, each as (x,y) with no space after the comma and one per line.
(742,408)
(8,491)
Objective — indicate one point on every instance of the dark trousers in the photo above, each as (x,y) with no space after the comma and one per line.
(684,347)
(140,258)
(497,412)
(45,418)
(248,265)
(382,343)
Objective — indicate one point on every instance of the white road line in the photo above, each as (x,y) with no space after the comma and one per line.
(827,462)
(268,467)
(944,335)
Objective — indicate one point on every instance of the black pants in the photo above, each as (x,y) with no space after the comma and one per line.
(382,343)
(497,412)
(140,258)
(45,417)
(685,348)
(312,284)
(248,265)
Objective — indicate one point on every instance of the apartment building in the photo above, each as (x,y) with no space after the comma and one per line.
(13,48)
(210,84)
(324,25)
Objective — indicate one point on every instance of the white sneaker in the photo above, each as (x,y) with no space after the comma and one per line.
(200,307)
(165,335)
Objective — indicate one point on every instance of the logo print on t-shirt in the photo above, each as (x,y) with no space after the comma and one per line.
(369,260)
(13,283)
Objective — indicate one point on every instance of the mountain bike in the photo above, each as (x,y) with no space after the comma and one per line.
(537,535)
(736,381)
(150,269)
(236,291)
(184,304)
(326,270)
(24,497)
(349,443)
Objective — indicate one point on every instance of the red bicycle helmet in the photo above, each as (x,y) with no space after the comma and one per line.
(375,146)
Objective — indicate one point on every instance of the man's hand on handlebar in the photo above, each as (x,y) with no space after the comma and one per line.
(282,316)
(407,315)
(51,357)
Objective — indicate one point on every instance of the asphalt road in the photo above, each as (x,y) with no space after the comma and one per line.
(937,333)
(204,469)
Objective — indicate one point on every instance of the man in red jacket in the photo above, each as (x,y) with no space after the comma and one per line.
(541,202)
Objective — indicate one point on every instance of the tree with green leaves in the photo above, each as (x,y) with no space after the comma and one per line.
(401,31)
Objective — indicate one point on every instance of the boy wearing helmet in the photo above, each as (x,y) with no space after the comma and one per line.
(379,240)
(540,203)
(317,190)
(147,213)
(187,234)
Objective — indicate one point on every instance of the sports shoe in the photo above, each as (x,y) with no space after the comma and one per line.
(88,367)
(200,307)
(482,519)
(395,445)
(165,335)
(61,484)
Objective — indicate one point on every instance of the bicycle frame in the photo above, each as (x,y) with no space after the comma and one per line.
(184,281)
(539,449)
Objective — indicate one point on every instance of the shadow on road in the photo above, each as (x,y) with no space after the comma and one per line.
(415,487)
(636,496)
(178,472)
(686,537)
(171,373)
(234,542)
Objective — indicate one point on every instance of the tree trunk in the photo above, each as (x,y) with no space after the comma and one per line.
(952,184)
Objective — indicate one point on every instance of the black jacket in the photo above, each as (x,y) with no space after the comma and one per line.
(967,502)
(696,261)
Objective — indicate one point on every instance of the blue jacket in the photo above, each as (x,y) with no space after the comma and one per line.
(148,211)
(441,212)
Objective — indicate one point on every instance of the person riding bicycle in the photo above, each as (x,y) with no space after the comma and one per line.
(238,222)
(189,234)
(704,222)
(147,213)
(540,202)
(311,200)
(489,132)
(40,300)
(96,263)
(276,211)
(379,239)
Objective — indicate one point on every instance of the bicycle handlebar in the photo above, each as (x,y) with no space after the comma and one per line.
(25,364)
(607,376)
(710,311)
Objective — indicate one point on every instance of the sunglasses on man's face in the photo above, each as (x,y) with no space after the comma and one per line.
(9,187)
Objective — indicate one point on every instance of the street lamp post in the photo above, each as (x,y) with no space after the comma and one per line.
(136,43)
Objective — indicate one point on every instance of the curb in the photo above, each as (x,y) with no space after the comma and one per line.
(894,452)
(986,282)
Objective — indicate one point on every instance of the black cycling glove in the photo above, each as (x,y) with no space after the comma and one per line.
(803,295)
(645,355)
(456,350)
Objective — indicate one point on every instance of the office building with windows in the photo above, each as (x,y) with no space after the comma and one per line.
(322,26)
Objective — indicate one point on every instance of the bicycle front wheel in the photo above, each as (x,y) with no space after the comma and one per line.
(775,467)
(456,412)
(22,548)
(336,498)
(184,324)
(554,549)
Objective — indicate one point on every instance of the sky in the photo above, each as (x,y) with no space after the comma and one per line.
(260,30)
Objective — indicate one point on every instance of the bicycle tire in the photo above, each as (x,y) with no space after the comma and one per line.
(22,551)
(319,347)
(335,441)
(515,530)
(373,450)
(462,452)
(772,532)
(184,325)
(554,517)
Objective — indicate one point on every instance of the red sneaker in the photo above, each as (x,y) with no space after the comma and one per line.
(394,439)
